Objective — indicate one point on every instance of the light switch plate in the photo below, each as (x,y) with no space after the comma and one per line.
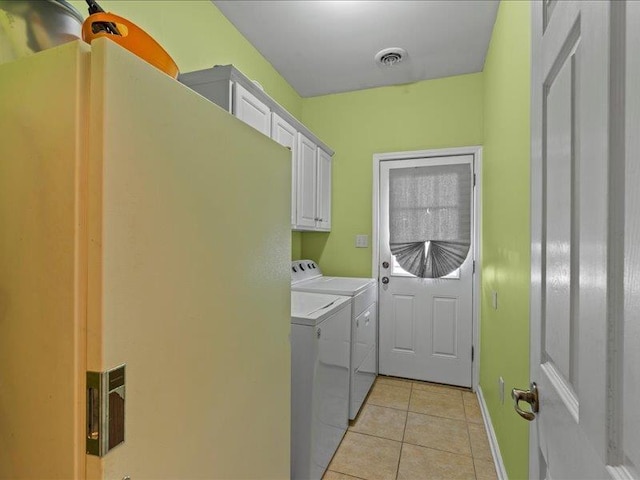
(362,241)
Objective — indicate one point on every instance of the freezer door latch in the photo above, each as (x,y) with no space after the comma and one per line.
(105,410)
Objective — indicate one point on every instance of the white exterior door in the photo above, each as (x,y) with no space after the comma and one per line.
(251,110)
(426,324)
(585,292)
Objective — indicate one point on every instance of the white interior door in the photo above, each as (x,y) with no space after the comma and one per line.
(171,297)
(426,324)
(584,296)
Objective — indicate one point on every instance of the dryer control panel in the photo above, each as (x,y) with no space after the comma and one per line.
(304,270)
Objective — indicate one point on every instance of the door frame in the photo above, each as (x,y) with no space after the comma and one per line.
(535,288)
(476,234)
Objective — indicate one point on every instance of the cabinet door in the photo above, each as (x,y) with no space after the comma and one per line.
(307,181)
(283,133)
(323,207)
(251,110)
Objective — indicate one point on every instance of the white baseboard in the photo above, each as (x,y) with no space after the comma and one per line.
(493,441)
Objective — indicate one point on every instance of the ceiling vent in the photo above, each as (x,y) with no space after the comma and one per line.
(390,56)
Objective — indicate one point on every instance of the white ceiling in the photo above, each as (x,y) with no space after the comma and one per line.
(325,46)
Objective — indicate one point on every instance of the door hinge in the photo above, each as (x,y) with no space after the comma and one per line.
(472,353)
(474,179)
(474,266)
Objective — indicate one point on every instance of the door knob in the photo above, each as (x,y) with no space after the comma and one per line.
(385,280)
(531,397)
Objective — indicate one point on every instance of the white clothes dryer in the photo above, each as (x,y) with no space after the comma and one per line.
(306,276)
(320,351)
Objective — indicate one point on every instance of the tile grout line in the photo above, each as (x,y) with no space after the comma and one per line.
(404,431)
(437,449)
(421,413)
(341,473)
(473,461)
(375,436)
(387,406)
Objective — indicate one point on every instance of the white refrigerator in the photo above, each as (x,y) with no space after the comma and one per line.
(140,226)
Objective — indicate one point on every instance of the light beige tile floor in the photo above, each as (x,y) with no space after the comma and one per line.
(415,431)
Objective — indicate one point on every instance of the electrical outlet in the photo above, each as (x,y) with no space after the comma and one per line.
(494,299)
(362,241)
(501,390)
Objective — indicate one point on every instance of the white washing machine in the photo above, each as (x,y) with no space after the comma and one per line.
(320,351)
(307,277)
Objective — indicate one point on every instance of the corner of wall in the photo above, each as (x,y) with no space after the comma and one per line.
(506,259)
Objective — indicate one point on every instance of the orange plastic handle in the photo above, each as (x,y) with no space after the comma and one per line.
(87,27)
(133,38)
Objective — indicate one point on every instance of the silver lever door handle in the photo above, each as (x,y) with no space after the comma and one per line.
(529,396)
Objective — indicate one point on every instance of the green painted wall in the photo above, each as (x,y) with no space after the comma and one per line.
(296,246)
(505,240)
(429,114)
(197,36)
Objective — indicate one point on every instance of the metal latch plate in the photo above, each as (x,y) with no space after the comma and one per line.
(105,410)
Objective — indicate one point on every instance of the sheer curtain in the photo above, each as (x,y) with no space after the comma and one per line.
(430,218)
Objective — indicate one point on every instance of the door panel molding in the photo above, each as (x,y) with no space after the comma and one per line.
(406,345)
(476,151)
(439,327)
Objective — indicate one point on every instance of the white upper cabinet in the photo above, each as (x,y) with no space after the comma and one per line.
(251,110)
(323,200)
(310,157)
(286,135)
(307,215)
(313,187)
